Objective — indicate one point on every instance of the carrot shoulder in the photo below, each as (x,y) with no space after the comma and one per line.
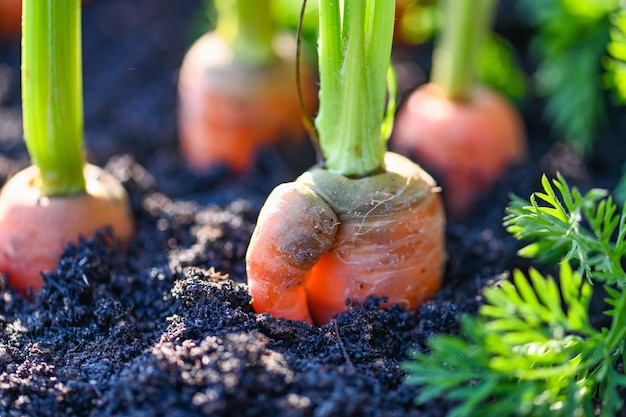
(327,238)
(468,144)
(228,110)
(34,229)
(237,89)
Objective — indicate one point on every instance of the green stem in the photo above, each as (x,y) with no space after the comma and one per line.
(466,23)
(617,333)
(248,27)
(52,93)
(354,56)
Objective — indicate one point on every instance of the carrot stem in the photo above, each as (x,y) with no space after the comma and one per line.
(454,60)
(52,93)
(354,55)
(248,27)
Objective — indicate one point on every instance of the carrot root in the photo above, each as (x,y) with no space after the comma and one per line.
(35,229)
(467,144)
(227,110)
(386,240)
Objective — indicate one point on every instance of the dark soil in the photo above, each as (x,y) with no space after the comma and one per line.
(165,327)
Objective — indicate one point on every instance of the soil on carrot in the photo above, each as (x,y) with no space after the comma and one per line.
(165,327)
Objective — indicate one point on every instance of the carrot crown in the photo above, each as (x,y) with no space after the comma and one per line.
(466,23)
(248,27)
(52,93)
(355,38)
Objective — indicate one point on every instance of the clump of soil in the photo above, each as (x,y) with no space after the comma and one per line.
(165,326)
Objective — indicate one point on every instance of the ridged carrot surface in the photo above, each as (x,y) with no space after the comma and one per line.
(334,238)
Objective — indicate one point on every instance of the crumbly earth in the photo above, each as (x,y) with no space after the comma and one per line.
(164,327)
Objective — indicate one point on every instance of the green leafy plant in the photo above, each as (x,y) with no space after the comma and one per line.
(579,46)
(615,61)
(532,349)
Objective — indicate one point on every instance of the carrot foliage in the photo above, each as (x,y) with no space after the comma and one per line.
(52,93)
(532,349)
(576,44)
(355,40)
(247,25)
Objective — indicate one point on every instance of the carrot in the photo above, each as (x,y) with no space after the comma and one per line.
(34,229)
(237,89)
(366,222)
(467,134)
(10,18)
(60,197)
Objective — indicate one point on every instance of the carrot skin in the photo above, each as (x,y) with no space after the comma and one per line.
(369,258)
(294,229)
(35,229)
(386,240)
(227,110)
(468,145)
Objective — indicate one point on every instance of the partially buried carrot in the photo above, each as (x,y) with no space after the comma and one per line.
(467,134)
(60,197)
(367,223)
(237,89)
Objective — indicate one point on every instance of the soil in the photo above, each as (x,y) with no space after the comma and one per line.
(164,327)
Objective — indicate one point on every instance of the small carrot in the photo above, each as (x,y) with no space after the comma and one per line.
(237,89)
(467,134)
(367,223)
(10,18)
(60,197)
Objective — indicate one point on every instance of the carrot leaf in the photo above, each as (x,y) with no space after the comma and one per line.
(585,229)
(570,45)
(355,38)
(461,40)
(249,28)
(52,93)
(532,349)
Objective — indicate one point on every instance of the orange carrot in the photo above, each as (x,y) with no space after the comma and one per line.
(469,144)
(10,17)
(60,197)
(380,235)
(233,102)
(467,134)
(34,229)
(367,223)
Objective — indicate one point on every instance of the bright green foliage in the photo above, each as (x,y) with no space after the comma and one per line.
(532,349)
(570,43)
(615,63)
(585,228)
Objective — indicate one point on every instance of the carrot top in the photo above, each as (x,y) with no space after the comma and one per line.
(52,93)
(248,27)
(454,66)
(355,38)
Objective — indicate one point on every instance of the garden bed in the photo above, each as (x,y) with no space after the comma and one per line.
(165,326)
